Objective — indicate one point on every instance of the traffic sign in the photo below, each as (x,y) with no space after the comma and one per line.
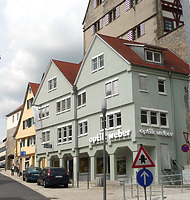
(144,177)
(185,148)
(186,136)
(142,159)
(23,153)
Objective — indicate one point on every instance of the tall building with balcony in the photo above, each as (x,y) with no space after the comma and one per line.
(25,132)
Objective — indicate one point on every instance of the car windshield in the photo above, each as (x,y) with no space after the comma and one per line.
(33,169)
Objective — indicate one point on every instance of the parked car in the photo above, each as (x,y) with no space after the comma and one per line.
(31,174)
(51,176)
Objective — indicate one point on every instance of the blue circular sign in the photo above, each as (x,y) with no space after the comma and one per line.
(185,148)
(144,177)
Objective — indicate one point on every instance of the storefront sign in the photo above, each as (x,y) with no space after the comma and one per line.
(119,134)
(150,131)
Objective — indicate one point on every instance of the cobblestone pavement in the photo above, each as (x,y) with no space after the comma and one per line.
(113,191)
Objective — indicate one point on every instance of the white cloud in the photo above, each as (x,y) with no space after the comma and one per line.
(33,32)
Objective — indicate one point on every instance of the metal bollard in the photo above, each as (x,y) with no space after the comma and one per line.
(162,187)
(123,190)
(88,180)
(131,187)
(137,192)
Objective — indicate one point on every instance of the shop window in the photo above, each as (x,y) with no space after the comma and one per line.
(97,62)
(143,82)
(121,166)
(100,166)
(84,165)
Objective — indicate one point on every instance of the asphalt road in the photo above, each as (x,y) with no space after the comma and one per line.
(11,189)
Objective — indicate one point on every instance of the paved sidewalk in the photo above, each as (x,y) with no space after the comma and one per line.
(114,192)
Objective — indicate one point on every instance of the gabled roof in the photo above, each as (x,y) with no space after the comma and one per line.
(69,70)
(34,87)
(15,111)
(172,62)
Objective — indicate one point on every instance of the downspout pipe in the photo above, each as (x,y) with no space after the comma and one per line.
(186,14)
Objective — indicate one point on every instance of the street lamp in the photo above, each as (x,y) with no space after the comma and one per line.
(104,109)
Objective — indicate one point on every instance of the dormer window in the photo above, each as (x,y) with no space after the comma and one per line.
(153,56)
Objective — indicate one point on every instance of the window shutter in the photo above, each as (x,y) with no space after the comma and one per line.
(128,5)
(117,11)
(142,29)
(130,35)
(106,19)
(23,125)
(94,4)
(27,104)
(101,23)
(92,30)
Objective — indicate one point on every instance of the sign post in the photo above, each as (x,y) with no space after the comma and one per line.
(144,176)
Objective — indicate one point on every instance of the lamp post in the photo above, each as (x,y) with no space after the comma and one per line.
(104,109)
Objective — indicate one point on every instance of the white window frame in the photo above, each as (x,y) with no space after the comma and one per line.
(164,85)
(115,123)
(98,61)
(141,87)
(51,81)
(46,113)
(82,126)
(112,92)
(83,100)
(158,112)
(65,139)
(46,134)
(153,56)
(66,109)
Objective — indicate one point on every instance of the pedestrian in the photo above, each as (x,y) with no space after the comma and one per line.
(18,169)
(12,170)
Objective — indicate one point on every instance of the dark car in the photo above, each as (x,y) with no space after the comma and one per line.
(31,174)
(51,176)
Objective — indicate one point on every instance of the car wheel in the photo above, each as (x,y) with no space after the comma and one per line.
(27,180)
(45,184)
(66,185)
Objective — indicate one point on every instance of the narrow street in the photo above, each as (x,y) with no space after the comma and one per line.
(11,189)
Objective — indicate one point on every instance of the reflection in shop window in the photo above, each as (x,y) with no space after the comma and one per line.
(99,165)
(84,165)
(121,166)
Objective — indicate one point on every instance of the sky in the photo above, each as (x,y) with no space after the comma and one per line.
(32,32)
